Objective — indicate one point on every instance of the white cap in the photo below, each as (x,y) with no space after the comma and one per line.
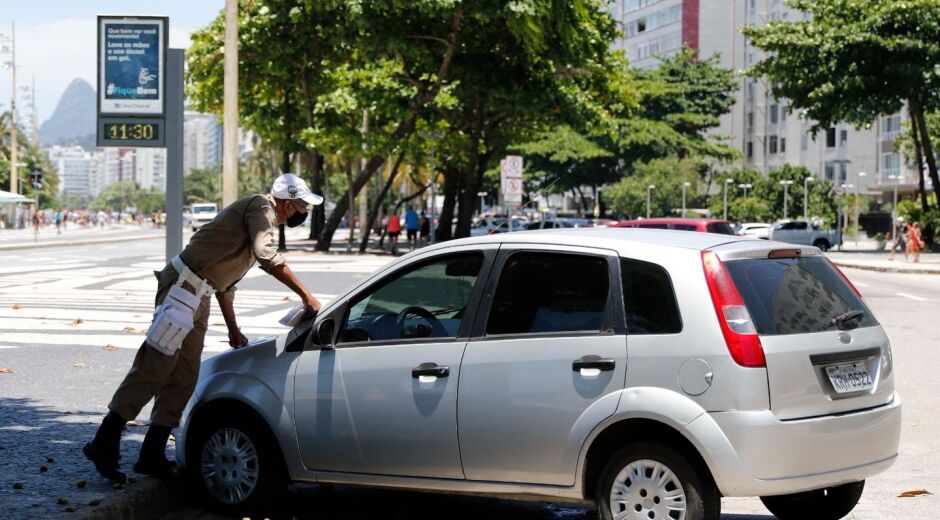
(290,186)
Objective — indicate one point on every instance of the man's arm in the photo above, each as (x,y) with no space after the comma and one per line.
(226,304)
(287,277)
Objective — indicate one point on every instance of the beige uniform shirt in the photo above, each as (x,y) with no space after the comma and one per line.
(223,250)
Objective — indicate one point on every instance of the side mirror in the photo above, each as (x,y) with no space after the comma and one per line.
(324,334)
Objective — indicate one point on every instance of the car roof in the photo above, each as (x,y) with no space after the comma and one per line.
(609,238)
(677,220)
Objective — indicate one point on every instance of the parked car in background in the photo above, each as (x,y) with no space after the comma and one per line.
(492,225)
(753,230)
(803,233)
(203,213)
(704,225)
(500,365)
(549,224)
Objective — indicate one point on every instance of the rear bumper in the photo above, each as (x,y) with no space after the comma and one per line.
(755,454)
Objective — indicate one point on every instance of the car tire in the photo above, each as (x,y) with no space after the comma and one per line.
(225,444)
(830,503)
(823,245)
(682,487)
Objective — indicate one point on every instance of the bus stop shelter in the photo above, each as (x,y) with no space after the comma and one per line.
(9,204)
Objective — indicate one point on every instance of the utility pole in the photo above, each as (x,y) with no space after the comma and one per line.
(858,180)
(727,182)
(684,186)
(648,190)
(785,184)
(230,106)
(35,117)
(14,170)
(363,194)
(806,182)
(894,208)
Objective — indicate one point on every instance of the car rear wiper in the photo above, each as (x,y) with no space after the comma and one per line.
(842,320)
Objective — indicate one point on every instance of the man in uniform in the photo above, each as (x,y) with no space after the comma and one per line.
(216,258)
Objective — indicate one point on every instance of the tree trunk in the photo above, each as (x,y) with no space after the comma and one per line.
(917,110)
(918,154)
(452,180)
(315,165)
(468,186)
(377,204)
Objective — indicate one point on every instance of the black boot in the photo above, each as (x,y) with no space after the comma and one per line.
(105,449)
(152,460)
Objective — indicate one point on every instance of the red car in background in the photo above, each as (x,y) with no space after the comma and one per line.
(704,225)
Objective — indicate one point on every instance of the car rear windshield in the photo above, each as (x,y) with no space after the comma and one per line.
(722,228)
(795,295)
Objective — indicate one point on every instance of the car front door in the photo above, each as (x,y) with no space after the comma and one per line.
(545,365)
(384,400)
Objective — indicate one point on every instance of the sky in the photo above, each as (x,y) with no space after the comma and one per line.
(55,40)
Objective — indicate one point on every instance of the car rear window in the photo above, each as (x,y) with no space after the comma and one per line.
(795,295)
(722,228)
(653,226)
(685,227)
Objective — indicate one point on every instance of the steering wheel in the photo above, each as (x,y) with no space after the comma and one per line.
(436,329)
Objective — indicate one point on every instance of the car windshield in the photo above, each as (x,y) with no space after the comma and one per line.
(795,295)
(203,209)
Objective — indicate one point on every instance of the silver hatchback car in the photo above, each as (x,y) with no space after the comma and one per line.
(650,372)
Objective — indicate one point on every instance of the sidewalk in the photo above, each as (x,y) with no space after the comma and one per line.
(867,256)
(12,239)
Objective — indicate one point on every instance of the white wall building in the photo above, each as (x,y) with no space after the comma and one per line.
(77,171)
(202,141)
(759,125)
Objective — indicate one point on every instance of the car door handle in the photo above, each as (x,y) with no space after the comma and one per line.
(430,369)
(595,362)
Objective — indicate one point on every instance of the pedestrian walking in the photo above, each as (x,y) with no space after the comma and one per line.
(58,222)
(167,363)
(394,229)
(424,227)
(915,241)
(411,225)
(900,241)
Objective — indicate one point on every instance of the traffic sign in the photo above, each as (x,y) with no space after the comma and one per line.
(511,166)
(840,191)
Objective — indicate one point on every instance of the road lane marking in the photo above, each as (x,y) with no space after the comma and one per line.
(911,296)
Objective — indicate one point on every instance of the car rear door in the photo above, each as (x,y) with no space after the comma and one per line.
(817,363)
(545,365)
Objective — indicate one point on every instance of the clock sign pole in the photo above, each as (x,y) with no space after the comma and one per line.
(140,101)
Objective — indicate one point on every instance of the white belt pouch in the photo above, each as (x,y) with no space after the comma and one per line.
(172,320)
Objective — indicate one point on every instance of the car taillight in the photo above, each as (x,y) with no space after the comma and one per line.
(846,278)
(736,325)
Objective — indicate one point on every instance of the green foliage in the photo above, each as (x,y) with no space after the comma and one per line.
(764,202)
(29,159)
(202,185)
(628,197)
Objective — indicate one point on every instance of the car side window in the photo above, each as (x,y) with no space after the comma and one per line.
(550,292)
(684,227)
(649,301)
(428,301)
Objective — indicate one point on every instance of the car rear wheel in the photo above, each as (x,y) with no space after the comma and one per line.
(830,503)
(652,481)
(822,245)
(237,465)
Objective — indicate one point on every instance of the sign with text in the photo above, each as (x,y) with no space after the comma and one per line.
(131,65)
(510,170)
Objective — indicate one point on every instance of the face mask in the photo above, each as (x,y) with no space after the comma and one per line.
(297,219)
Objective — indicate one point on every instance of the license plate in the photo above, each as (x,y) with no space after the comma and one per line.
(853,377)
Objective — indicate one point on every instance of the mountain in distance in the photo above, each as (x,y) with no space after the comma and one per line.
(73,121)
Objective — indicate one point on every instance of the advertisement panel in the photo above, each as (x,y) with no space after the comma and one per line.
(131,65)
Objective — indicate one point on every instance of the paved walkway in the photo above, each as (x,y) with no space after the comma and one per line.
(11,239)
(867,255)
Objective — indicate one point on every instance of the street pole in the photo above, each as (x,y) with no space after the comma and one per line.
(648,190)
(858,180)
(839,218)
(684,186)
(806,182)
(230,106)
(174,152)
(481,194)
(433,199)
(894,208)
(14,170)
(727,182)
(786,185)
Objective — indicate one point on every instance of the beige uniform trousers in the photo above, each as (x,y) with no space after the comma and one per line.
(169,380)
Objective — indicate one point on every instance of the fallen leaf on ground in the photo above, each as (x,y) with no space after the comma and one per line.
(137,315)
(76,321)
(132,330)
(914,493)
(285,299)
(79,365)
(81,483)
(110,347)
(218,324)
(138,423)
(70,509)
(6,370)
(17,306)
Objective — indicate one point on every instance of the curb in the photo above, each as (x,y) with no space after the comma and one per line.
(881,269)
(149,498)
(44,245)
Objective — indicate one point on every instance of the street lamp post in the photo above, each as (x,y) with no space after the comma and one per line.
(894,207)
(648,190)
(433,136)
(481,194)
(786,185)
(684,186)
(745,186)
(806,182)
(727,182)
(11,66)
(858,180)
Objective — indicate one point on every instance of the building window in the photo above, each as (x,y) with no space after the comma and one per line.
(890,164)
(843,137)
(750,149)
(783,114)
(843,173)
(892,126)
(804,142)
(830,138)
(830,172)
(773,114)
(750,121)
(773,144)
(783,144)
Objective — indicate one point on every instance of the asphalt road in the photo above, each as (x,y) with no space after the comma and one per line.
(63,377)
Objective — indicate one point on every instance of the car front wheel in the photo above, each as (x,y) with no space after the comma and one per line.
(821,504)
(238,468)
(652,481)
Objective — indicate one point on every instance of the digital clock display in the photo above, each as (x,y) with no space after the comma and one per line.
(131,131)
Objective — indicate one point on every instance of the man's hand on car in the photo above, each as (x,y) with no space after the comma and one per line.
(311,304)
(236,339)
